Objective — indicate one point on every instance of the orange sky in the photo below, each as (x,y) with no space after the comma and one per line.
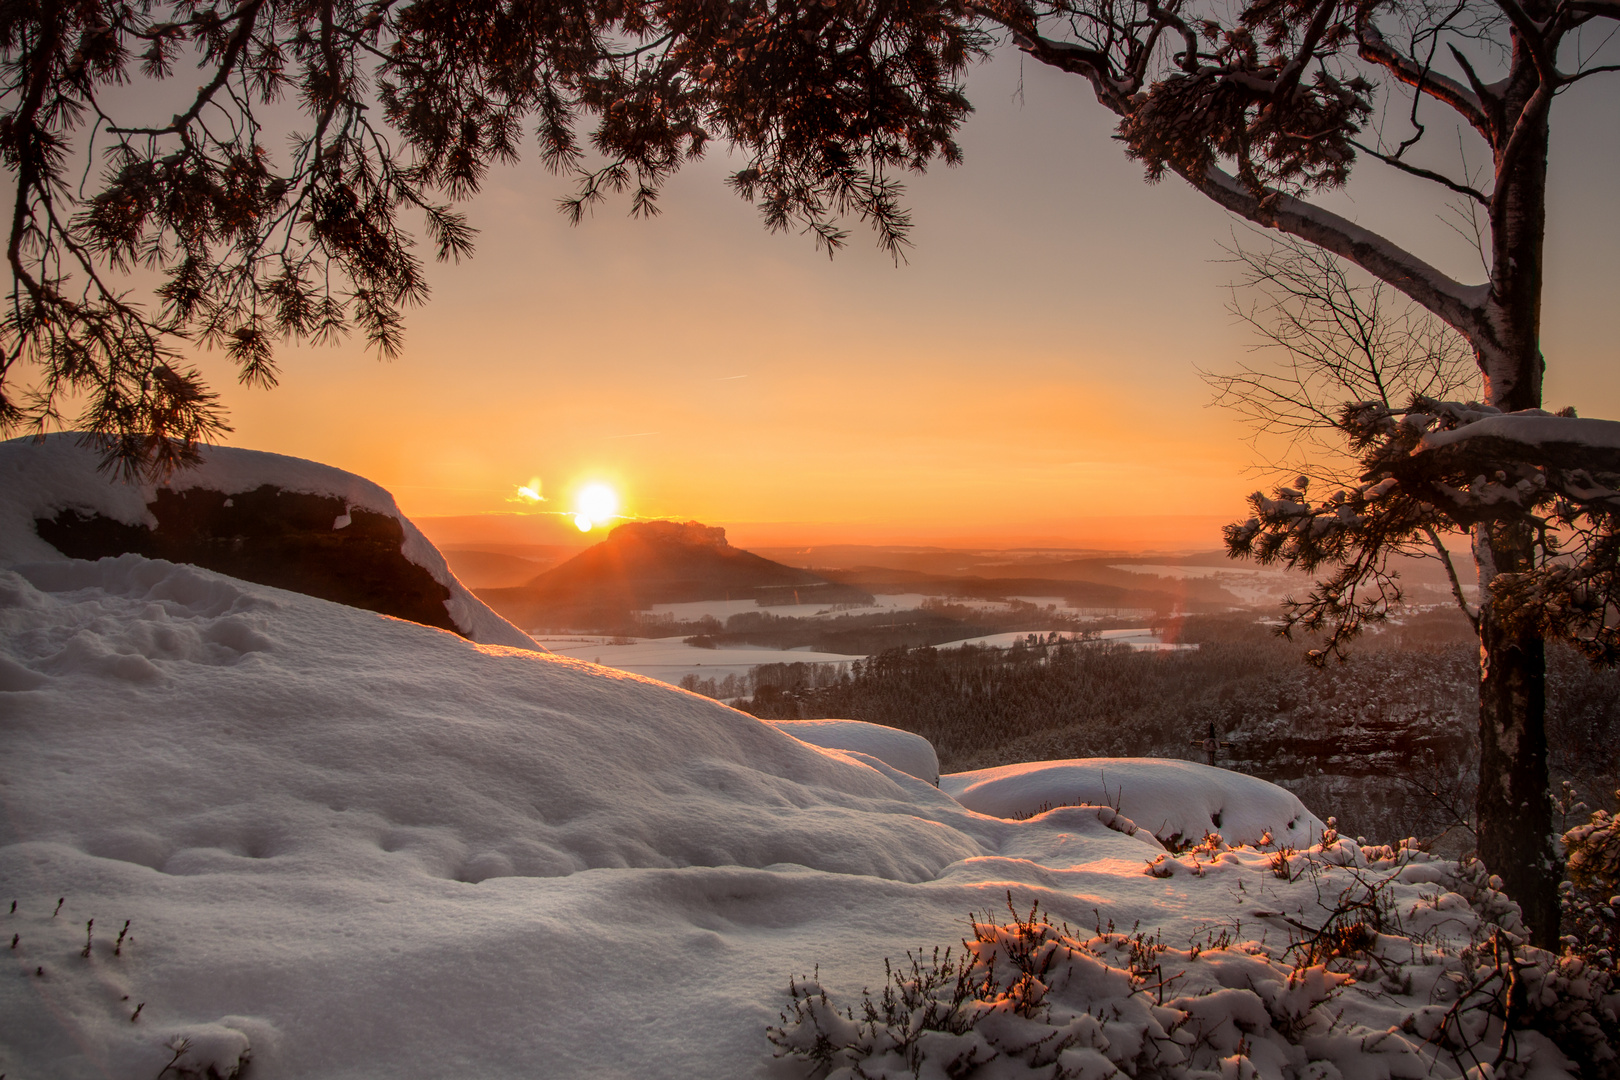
(1027,378)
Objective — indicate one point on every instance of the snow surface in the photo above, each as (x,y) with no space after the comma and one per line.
(669,659)
(910,753)
(242,824)
(1176,800)
(352,846)
(42,477)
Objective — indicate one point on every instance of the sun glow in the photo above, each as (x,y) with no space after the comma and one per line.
(594,505)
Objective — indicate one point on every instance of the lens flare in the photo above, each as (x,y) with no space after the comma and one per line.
(582,523)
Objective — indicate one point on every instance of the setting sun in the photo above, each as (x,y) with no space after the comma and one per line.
(594,505)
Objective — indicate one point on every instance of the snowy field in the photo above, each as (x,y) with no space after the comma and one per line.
(670,659)
(724,609)
(245,826)
(1140,638)
(1253,586)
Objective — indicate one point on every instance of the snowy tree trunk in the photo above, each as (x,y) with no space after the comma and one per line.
(1513,810)
(1513,807)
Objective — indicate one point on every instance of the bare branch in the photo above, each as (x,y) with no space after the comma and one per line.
(1425,174)
(1467,103)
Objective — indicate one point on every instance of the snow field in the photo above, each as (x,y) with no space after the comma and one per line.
(345,845)
(401,850)
(670,659)
(352,846)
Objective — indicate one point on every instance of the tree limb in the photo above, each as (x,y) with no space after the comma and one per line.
(1375,49)
(1460,305)
(248,12)
(1444,556)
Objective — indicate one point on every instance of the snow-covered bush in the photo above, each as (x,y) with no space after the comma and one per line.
(1366,981)
(1588,900)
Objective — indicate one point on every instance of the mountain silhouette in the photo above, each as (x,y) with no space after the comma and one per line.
(659,562)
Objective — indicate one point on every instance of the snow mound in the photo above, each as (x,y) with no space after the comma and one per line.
(370,742)
(1531,427)
(903,750)
(1178,801)
(384,842)
(56,481)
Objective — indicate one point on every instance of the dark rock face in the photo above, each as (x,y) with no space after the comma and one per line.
(679,533)
(273,537)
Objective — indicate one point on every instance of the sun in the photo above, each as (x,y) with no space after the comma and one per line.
(594,505)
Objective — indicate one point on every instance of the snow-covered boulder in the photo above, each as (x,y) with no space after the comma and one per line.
(903,750)
(1178,801)
(261,517)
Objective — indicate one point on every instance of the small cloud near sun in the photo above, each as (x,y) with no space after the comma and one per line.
(529,493)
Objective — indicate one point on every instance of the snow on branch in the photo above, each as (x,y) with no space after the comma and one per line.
(1453,466)
(1460,305)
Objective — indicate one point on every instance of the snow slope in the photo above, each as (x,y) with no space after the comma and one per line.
(40,477)
(382,844)
(353,846)
(246,824)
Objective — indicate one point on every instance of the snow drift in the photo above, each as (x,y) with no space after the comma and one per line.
(1178,801)
(911,754)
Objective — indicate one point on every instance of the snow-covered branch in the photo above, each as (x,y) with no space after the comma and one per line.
(1460,305)
(1449,466)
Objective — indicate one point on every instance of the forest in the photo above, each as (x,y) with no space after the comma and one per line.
(1385,739)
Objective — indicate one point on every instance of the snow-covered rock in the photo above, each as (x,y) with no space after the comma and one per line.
(268,518)
(1178,801)
(903,750)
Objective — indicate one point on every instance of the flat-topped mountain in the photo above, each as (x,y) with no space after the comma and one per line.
(659,562)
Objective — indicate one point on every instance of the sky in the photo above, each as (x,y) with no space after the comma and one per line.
(1028,377)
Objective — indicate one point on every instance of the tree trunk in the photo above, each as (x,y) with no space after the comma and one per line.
(1513,808)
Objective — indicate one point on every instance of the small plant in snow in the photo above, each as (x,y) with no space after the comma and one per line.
(1446,988)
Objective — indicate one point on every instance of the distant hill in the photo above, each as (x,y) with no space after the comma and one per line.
(659,562)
